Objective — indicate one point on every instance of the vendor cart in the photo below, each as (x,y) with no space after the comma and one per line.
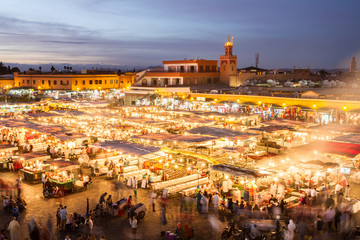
(32,176)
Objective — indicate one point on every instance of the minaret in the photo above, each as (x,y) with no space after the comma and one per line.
(353,65)
(228,63)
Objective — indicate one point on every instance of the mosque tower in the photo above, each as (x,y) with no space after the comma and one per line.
(353,65)
(228,63)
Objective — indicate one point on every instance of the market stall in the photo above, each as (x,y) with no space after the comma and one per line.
(32,166)
(63,174)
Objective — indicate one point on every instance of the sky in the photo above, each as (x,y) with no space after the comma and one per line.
(286,33)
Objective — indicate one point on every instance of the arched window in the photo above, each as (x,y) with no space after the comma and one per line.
(144,82)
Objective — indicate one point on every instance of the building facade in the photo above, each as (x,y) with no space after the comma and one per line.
(180,73)
(73,81)
(353,65)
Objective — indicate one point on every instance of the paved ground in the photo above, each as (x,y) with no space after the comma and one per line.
(206,226)
(115,228)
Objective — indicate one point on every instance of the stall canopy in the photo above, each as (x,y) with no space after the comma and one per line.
(35,156)
(219,132)
(270,129)
(286,123)
(127,147)
(63,165)
(174,137)
(351,138)
(239,172)
(355,129)
(343,149)
(42,114)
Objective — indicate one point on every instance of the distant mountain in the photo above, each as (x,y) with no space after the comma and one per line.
(78,67)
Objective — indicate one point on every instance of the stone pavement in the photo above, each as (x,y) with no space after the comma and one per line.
(116,227)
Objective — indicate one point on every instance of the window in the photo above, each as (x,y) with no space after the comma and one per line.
(195,81)
(49,82)
(207,68)
(67,82)
(111,81)
(100,81)
(83,82)
(188,81)
(55,82)
(166,81)
(154,81)
(201,68)
(214,68)
(215,80)
(96,81)
(75,83)
(144,82)
(232,68)
(61,82)
(177,80)
(116,81)
(202,80)
(33,81)
(182,68)
(23,81)
(192,68)
(90,81)
(105,81)
(42,82)
(209,80)
(128,82)
(28,81)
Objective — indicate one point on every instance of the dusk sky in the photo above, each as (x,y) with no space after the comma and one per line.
(286,33)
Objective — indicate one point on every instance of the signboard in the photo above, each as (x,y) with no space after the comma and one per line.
(200,99)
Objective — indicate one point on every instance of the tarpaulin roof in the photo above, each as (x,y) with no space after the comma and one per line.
(285,123)
(219,132)
(175,137)
(271,129)
(239,172)
(35,156)
(127,147)
(338,128)
(42,114)
(351,138)
(63,165)
(344,149)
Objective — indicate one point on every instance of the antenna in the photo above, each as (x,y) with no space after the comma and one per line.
(257,60)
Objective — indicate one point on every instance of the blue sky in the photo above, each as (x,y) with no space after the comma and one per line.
(286,33)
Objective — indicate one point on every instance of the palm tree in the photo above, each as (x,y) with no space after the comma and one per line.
(40,69)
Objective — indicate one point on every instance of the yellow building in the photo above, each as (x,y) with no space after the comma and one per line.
(73,81)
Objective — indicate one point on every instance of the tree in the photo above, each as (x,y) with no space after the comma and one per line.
(31,69)
(70,68)
(15,69)
(52,68)
(40,68)
(64,67)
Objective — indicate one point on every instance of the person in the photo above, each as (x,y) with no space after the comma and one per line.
(91,224)
(291,229)
(340,196)
(330,202)
(204,203)
(163,214)
(215,200)
(67,237)
(133,223)
(11,164)
(178,230)
(58,217)
(43,179)
(18,184)
(319,223)
(152,199)
(254,232)
(277,224)
(96,166)
(128,204)
(14,228)
(338,187)
(347,191)
(188,231)
(302,228)
(135,183)
(102,198)
(198,200)
(63,213)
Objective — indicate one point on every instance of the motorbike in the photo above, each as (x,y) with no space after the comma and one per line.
(52,193)
(232,233)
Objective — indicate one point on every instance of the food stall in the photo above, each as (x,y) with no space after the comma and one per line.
(5,152)
(32,166)
(62,174)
